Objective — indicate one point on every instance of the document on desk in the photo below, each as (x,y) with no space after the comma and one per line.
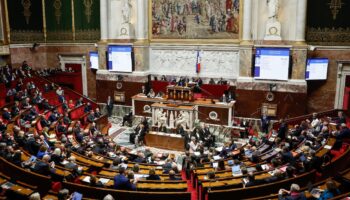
(86,179)
(104,180)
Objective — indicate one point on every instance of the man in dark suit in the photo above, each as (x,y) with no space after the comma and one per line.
(91,116)
(54,116)
(265,122)
(109,106)
(140,135)
(87,108)
(42,167)
(6,115)
(46,105)
(15,109)
(121,182)
(44,122)
(282,130)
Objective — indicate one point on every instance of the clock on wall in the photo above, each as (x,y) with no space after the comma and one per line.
(273,30)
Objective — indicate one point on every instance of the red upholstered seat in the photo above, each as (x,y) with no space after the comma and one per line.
(56,186)
(337,153)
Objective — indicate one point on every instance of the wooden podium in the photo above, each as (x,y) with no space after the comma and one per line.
(179,93)
(165,141)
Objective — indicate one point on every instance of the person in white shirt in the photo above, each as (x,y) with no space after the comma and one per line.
(193,145)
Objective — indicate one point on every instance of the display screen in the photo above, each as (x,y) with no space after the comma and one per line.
(94,60)
(316,69)
(120,58)
(272,64)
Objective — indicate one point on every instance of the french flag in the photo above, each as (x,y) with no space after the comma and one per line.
(198,63)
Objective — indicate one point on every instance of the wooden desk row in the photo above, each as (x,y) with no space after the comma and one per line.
(147,185)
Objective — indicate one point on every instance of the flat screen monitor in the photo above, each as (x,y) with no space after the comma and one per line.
(272,64)
(120,58)
(316,69)
(94,60)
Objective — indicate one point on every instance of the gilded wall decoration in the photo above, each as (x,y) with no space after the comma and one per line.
(88,11)
(328,22)
(335,6)
(201,19)
(57,4)
(26,10)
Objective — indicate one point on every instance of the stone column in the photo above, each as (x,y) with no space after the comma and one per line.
(301,21)
(142,19)
(247,20)
(104,19)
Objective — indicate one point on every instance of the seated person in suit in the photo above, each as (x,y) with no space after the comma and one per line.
(98,113)
(211,81)
(54,116)
(143,90)
(94,182)
(293,194)
(252,181)
(46,105)
(173,177)
(26,104)
(6,115)
(65,106)
(15,109)
(151,93)
(91,117)
(180,130)
(43,167)
(44,122)
(61,128)
(163,78)
(121,182)
(79,102)
(87,108)
(152,175)
(66,119)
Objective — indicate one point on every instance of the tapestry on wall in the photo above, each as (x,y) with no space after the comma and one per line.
(195,19)
(328,22)
(26,20)
(87,20)
(59,20)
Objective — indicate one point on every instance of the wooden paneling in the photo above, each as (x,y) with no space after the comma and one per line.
(249,102)
(107,88)
(203,115)
(139,105)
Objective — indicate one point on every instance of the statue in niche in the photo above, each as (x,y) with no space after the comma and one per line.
(126,28)
(273,26)
(126,11)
